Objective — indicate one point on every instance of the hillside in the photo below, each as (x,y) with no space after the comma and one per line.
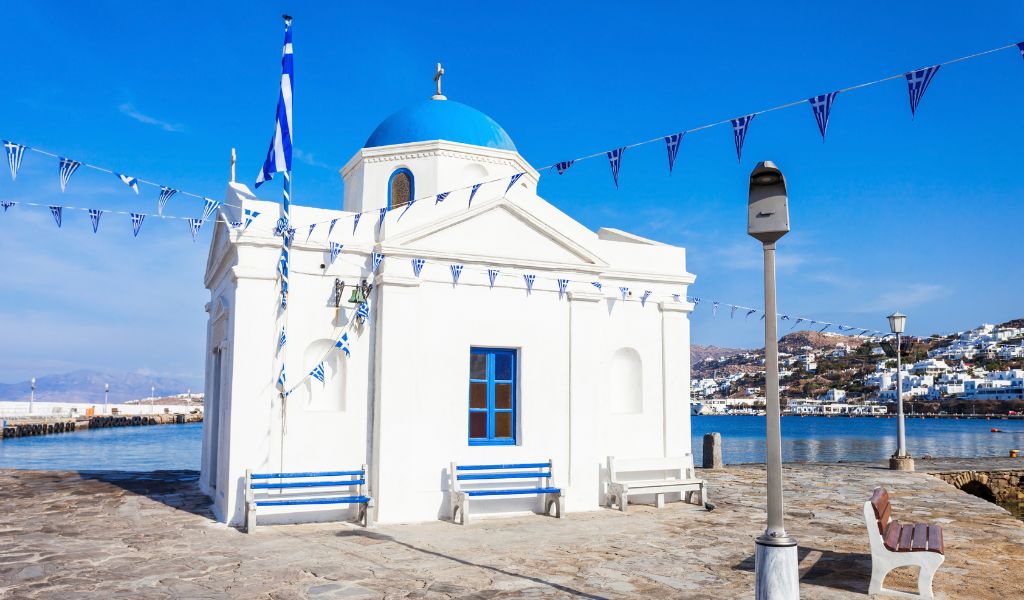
(699,353)
(87,386)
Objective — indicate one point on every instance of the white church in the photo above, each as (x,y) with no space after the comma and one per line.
(472,371)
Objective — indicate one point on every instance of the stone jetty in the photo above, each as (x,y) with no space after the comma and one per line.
(32,426)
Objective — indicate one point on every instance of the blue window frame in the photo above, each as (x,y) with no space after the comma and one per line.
(492,396)
(401,188)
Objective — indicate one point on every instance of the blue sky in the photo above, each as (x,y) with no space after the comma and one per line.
(891,213)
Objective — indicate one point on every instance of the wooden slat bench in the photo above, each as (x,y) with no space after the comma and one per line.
(895,544)
(304,489)
(657,476)
(462,475)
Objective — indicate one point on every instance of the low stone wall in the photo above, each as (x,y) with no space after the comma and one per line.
(1005,488)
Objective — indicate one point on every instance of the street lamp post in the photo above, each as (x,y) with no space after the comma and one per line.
(106,398)
(32,398)
(775,555)
(901,460)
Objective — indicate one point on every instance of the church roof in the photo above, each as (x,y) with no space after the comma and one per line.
(438,119)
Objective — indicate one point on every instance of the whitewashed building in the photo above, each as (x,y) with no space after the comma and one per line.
(471,372)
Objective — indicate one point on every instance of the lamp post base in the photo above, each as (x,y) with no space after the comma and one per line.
(776,569)
(901,463)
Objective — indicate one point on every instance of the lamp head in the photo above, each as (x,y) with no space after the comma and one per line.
(897,322)
(767,203)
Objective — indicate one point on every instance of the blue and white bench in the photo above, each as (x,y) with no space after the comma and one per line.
(303,489)
(480,478)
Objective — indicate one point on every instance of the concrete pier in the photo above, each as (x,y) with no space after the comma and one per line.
(31,426)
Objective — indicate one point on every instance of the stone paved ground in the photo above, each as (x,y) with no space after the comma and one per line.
(111,535)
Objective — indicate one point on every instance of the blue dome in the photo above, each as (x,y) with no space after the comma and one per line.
(440,120)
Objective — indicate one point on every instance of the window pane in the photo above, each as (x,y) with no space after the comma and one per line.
(477,425)
(478,395)
(503,366)
(502,395)
(502,424)
(478,366)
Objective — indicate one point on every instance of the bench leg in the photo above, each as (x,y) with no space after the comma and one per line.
(460,508)
(623,501)
(558,502)
(250,517)
(927,573)
(704,494)
(659,500)
(366,515)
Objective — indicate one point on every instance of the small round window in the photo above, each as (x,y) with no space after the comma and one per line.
(400,188)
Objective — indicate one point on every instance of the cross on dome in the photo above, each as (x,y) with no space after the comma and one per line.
(437,80)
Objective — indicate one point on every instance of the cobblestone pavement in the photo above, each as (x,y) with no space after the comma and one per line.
(121,535)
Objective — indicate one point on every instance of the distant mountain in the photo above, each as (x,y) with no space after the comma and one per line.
(699,353)
(87,386)
(793,342)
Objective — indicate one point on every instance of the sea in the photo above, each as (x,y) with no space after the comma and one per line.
(804,439)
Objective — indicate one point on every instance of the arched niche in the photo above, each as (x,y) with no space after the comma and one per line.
(625,382)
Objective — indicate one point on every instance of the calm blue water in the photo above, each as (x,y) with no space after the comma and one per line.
(816,439)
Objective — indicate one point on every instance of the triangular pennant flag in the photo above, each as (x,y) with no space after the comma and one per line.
(822,107)
(165,195)
(456,271)
(472,192)
(797,322)
(597,284)
(696,302)
(1020,46)
(281,379)
(739,133)
(318,372)
(492,274)
(408,205)
(714,308)
(57,212)
(310,232)
(563,166)
(236,224)
(615,160)
(330,229)
(7,204)
(763,316)
(94,217)
(282,340)
(917,83)
(209,208)
(512,181)
(383,213)
(676,297)
(195,224)
(343,344)
(441,197)
(732,310)
(672,144)
(14,154)
(375,260)
(355,222)
(129,181)
(137,219)
(363,312)
(335,251)
(644,297)
(562,285)
(624,291)
(822,330)
(750,312)
(417,266)
(530,278)
(784,317)
(249,216)
(67,169)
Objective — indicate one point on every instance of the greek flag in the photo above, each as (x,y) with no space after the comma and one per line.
(1020,46)
(57,212)
(165,195)
(380,221)
(94,216)
(417,266)
(784,317)
(363,312)
(279,157)
(375,260)
(355,222)
(562,285)
(615,160)
(14,154)
(672,144)
(211,206)
(408,205)
(714,308)
(597,284)
(822,107)
(281,379)
(441,197)
(137,219)
(624,291)
(6,204)
(318,372)
(739,134)
(530,278)
(67,169)
(472,192)
(281,341)
(129,181)
(513,180)
(456,271)
(249,216)
(492,274)
(310,232)
(343,344)
(696,302)
(195,224)
(330,229)
(563,166)
(236,224)
(917,83)
(644,297)
(335,251)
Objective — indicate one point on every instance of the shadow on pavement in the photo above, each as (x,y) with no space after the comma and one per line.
(176,489)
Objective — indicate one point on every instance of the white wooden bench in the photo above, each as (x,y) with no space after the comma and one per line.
(308,488)
(658,476)
(895,544)
(508,474)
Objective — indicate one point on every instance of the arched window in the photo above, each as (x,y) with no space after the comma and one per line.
(400,188)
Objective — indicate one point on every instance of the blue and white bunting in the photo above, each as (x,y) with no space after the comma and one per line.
(279,156)
(441,197)
(822,107)
(472,193)
(714,308)
(644,297)
(917,83)
(194,225)
(94,218)
(562,285)
(732,310)
(355,222)
(456,272)
(1020,46)
(417,266)
(335,251)
(672,143)
(14,154)
(7,204)
(529,278)
(797,322)
(615,160)
(343,344)
(318,372)
(624,291)
(281,340)
(330,228)
(408,205)
(380,220)
(363,312)
(250,215)
(281,379)
(310,232)
(492,274)
(512,181)
(210,207)
(165,195)
(597,284)
(130,182)
(739,134)
(563,166)
(57,212)
(677,297)
(67,169)
(750,312)
(696,302)
(137,219)
(375,260)
(822,330)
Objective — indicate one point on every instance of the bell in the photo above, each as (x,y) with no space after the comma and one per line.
(357,296)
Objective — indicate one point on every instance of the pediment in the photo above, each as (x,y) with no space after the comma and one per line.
(498,231)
